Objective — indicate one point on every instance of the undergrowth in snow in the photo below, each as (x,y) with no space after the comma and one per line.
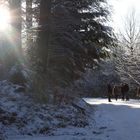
(19,115)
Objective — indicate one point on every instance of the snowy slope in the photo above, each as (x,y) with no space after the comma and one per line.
(112,121)
(20,115)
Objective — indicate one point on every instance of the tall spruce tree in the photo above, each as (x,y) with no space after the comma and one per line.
(72,34)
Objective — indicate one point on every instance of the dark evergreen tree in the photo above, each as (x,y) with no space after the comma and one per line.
(71,35)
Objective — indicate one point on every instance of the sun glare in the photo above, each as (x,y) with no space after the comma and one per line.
(4,18)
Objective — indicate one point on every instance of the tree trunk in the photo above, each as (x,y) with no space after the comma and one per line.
(16,23)
(29,22)
(45,31)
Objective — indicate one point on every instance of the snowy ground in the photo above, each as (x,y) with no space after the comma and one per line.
(121,119)
(20,115)
(111,121)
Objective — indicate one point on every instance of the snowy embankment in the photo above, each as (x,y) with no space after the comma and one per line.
(113,121)
(21,116)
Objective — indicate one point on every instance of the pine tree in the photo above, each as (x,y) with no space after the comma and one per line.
(72,34)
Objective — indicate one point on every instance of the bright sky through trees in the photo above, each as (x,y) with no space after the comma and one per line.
(4,18)
(121,9)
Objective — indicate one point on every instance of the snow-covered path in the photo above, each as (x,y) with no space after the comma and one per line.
(112,121)
(121,119)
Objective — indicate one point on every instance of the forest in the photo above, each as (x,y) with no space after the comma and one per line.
(56,55)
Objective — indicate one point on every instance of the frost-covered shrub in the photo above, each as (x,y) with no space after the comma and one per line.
(38,87)
(94,82)
(20,115)
(18,75)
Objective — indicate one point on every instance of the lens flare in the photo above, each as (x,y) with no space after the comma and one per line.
(4,18)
